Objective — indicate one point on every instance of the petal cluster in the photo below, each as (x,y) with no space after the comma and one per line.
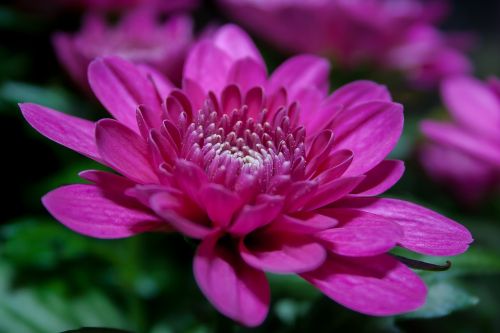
(270,173)
(464,153)
(394,35)
(140,37)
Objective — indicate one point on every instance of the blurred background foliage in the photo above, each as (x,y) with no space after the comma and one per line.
(53,280)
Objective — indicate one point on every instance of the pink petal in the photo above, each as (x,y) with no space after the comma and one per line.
(107,180)
(381,178)
(321,119)
(425,231)
(303,222)
(231,99)
(208,66)
(236,289)
(452,136)
(88,210)
(254,99)
(359,92)
(125,151)
(161,84)
(69,131)
(220,203)
(299,73)
(255,216)
(247,73)
(472,104)
(378,286)
(174,210)
(190,178)
(370,130)
(237,44)
(195,92)
(469,177)
(333,166)
(282,252)
(70,58)
(332,191)
(121,87)
(298,194)
(360,234)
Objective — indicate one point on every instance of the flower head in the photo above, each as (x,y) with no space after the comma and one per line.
(139,37)
(465,153)
(271,174)
(390,34)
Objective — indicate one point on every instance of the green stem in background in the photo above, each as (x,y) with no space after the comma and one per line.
(422,265)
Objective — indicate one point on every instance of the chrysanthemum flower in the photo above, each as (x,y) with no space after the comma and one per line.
(140,37)
(271,174)
(465,153)
(392,35)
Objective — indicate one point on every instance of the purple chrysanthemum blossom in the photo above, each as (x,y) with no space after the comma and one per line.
(139,37)
(389,34)
(271,174)
(465,153)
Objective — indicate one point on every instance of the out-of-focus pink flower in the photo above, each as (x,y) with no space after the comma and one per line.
(389,34)
(270,173)
(139,37)
(465,153)
(427,56)
(120,5)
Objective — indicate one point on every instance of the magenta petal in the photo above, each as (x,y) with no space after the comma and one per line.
(69,131)
(381,178)
(360,234)
(231,99)
(237,44)
(208,66)
(167,206)
(370,130)
(121,87)
(452,136)
(425,231)
(332,191)
(70,58)
(236,289)
(190,178)
(220,203)
(472,104)
(247,73)
(107,180)
(162,85)
(299,73)
(125,151)
(86,209)
(255,216)
(358,92)
(469,177)
(378,286)
(304,222)
(282,252)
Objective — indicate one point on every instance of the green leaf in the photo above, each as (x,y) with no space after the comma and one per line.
(45,309)
(40,243)
(50,96)
(292,286)
(444,298)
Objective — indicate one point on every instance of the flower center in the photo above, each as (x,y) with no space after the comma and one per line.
(244,143)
